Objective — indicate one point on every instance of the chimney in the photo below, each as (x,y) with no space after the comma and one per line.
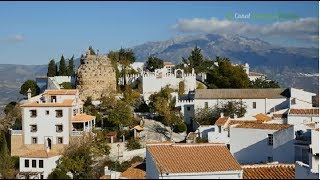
(221,115)
(29,94)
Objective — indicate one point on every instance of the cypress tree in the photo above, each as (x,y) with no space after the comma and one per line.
(51,68)
(71,67)
(62,67)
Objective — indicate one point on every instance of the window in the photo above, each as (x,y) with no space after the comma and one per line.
(270,159)
(228,146)
(206,104)
(34,140)
(219,129)
(33,128)
(74,112)
(53,98)
(41,176)
(58,113)
(33,113)
(254,105)
(270,139)
(59,128)
(81,110)
(26,163)
(40,163)
(188,108)
(60,140)
(47,112)
(34,163)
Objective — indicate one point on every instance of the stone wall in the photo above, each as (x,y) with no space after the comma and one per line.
(96,77)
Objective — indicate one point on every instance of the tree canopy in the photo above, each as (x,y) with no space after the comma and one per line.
(63,71)
(263,83)
(35,90)
(52,69)
(71,66)
(154,63)
(226,75)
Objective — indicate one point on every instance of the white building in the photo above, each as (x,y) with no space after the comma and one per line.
(262,142)
(49,122)
(311,171)
(191,161)
(153,82)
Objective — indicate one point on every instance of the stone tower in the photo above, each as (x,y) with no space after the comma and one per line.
(96,77)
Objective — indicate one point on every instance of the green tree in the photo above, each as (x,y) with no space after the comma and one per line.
(120,114)
(71,66)
(7,169)
(263,83)
(154,63)
(225,75)
(35,90)
(195,60)
(66,85)
(9,107)
(126,57)
(52,69)
(63,71)
(209,115)
(133,144)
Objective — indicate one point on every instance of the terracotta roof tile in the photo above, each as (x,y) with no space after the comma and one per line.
(65,103)
(136,171)
(241,93)
(168,64)
(233,122)
(264,126)
(269,171)
(279,116)
(187,158)
(40,154)
(304,111)
(105,177)
(61,92)
(83,117)
(262,117)
(311,125)
(221,121)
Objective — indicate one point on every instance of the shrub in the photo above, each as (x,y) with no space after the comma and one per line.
(133,144)
(180,128)
(201,140)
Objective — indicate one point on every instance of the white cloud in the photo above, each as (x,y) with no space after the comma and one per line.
(301,29)
(16,38)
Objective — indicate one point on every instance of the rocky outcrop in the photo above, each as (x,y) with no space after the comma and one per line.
(96,77)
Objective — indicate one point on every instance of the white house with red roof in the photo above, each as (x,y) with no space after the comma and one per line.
(191,161)
(49,122)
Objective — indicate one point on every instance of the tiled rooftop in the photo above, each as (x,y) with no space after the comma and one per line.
(65,103)
(232,122)
(40,154)
(192,158)
(279,116)
(269,171)
(264,126)
(241,93)
(61,92)
(221,121)
(136,171)
(304,111)
(83,117)
(262,117)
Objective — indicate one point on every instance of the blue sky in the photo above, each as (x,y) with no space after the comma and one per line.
(35,32)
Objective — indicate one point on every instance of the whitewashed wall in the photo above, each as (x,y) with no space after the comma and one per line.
(46,124)
(151,168)
(303,98)
(302,171)
(251,145)
(49,164)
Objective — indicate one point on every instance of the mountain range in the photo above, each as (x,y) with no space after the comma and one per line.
(290,66)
